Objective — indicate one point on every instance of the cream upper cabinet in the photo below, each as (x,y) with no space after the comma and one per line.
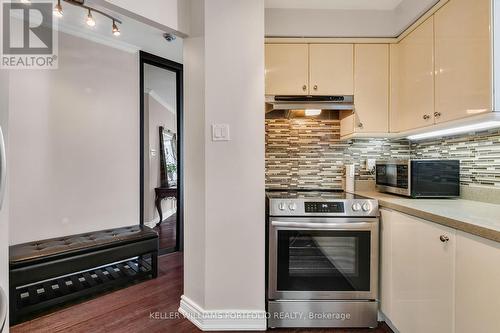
(331,69)
(418,274)
(371,87)
(412,79)
(347,123)
(477,293)
(463,59)
(371,91)
(287,69)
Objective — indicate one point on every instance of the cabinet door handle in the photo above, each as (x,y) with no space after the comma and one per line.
(304,87)
(426,117)
(315,87)
(444,238)
(437,114)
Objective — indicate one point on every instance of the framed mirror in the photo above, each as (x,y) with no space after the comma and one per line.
(161,154)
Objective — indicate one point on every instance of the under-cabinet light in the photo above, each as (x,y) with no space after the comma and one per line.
(313,112)
(456,130)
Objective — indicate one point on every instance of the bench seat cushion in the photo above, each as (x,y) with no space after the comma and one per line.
(32,253)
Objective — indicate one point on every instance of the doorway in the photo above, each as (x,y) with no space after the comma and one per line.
(161,155)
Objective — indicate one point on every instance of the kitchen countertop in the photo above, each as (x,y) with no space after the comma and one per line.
(474,217)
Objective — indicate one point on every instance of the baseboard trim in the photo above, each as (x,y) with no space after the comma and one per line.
(222,320)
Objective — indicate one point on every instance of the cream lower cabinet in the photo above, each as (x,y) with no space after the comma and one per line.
(427,285)
(417,272)
(477,296)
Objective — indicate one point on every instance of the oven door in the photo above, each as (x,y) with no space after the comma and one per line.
(323,258)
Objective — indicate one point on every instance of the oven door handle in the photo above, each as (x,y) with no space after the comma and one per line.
(325,226)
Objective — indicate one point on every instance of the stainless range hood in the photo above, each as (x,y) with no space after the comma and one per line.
(345,102)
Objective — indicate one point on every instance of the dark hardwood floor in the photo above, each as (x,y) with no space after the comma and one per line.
(128,310)
(167,232)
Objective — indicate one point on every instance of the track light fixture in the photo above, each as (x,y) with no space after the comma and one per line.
(115,29)
(90,19)
(58,9)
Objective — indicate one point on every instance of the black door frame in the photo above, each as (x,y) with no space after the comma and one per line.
(151,59)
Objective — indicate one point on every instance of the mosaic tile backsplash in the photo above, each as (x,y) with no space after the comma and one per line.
(479,155)
(308,153)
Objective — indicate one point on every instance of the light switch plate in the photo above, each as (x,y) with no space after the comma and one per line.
(220,132)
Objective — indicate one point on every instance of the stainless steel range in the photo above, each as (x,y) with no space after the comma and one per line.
(322,259)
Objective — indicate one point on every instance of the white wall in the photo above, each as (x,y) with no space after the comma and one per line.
(284,22)
(74,144)
(168,15)
(224,202)
(163,85)
(4,211)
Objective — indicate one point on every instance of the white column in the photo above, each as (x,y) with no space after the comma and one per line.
(224,180)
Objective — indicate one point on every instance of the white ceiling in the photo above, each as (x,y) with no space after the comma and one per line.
(334,4)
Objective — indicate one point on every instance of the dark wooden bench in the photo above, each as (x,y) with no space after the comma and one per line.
(56,271)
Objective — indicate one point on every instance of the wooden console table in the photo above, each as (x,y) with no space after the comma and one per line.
(163,193)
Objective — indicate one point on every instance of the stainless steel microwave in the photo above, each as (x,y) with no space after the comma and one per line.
(419,178)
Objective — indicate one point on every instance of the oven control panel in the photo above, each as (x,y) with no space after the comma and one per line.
(355,207)
(324,207)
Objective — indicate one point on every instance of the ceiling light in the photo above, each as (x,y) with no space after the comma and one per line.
(90,20)
(456,130)
(26,1)
(313,112)
(58,9)
(115,29)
